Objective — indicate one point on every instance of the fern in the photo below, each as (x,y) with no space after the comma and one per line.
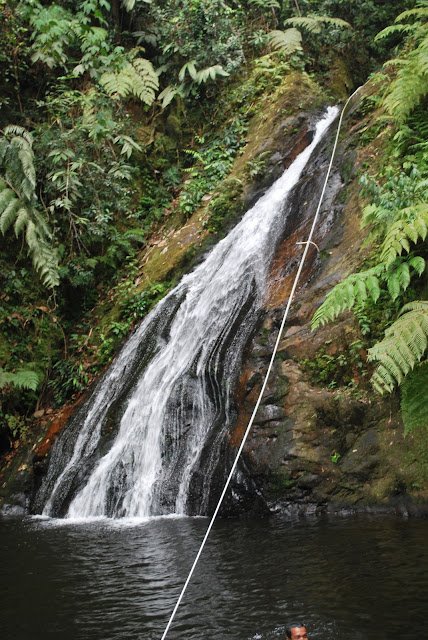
(265,4)
(403,346)
(128,145)
(420,12)
(289,40)
(414,400)
(410,85)
(136,78)
(411,226)
(21,379)
(315,24)
(18,202)
(355,290)
(359,288)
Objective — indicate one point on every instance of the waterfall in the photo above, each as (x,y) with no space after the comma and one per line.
(173,416)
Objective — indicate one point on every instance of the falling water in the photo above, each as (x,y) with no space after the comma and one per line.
(175,415)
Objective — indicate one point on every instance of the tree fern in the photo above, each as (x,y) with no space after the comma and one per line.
(289,40)
(414,399)
(136,78)
(18,202)
(315,24)
(404,345)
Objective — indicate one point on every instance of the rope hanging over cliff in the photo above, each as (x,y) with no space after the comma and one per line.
(306,244)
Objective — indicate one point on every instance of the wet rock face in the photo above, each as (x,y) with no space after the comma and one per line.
(314,448)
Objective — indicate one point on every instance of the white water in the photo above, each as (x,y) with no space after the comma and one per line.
(131,479)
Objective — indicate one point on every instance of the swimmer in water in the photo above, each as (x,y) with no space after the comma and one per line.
(296,631)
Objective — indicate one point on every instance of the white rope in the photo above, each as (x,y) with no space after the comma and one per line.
(253,415)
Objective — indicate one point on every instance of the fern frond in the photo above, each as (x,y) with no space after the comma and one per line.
(414,399)
(403,346)
(420,13)
(8,215)
(21,379)
(137,78)
(392,29)
(354,290)
(410,86)
(265,4)
(18,202)
(412,225)
(289,40)
(314,24)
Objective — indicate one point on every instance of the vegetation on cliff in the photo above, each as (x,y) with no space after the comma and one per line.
(121,118)
(396,213)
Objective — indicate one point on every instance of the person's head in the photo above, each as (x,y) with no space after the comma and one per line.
(296,631)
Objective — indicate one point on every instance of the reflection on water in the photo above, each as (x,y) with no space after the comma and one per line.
(105,581)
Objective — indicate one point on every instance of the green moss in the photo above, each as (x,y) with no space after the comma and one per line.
(279,483)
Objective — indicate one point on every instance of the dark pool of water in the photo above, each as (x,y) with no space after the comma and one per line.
(363,578)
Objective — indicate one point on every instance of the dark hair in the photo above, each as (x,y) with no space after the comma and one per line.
(293,625)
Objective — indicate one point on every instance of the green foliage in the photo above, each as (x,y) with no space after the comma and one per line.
(414,403)
(137,78)
(404,345)
(410,86)
(315,24)
(16,426)
(342,369)
(67,379)
(198,41)
(20,379)
(225,205)
(354,291)
(410,227)
(18,202)
(212,163)
(58,32)
(289,40)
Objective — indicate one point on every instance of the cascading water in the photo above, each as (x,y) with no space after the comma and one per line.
(173,416)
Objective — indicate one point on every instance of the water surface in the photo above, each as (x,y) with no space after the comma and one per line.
(347,578)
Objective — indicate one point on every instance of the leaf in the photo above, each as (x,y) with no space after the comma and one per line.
(18,202)
(137,79)
(22,379)
(210,73)
(289,40)
(403,346)
(345,295)
(414,399)
(190,68)
(314,24)
(168,95)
